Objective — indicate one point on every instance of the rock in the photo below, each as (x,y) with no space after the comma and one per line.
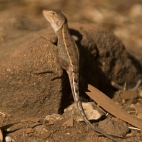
(45,135)
(68,123)
(8,139)
(136,11)
(110,66)
(113,59)
(54,117)
(26,86)
(22,89)
(113,127)
(89,108)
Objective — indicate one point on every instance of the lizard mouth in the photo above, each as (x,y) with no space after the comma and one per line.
(46,14)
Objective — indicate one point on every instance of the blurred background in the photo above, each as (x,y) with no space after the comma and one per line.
(124,18)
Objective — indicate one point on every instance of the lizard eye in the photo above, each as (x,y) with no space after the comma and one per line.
(52,13)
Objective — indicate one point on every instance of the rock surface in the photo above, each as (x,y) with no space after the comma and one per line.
(26,57)
(22,89)
(111,126)
(90,109)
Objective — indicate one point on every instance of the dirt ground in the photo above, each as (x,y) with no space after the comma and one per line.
(123,18)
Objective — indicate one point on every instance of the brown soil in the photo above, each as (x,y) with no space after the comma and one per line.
(26,56)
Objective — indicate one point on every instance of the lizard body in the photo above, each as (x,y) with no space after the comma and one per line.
(68,58)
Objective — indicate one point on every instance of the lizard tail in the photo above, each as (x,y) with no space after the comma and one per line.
(74,82)
(79,105)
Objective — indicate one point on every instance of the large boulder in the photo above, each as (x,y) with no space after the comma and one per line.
(28,88)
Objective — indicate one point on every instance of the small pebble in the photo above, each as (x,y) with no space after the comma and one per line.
(8,139)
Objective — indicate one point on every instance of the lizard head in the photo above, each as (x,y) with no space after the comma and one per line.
(55,18)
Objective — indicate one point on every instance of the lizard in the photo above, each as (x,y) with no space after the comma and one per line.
(68,58)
